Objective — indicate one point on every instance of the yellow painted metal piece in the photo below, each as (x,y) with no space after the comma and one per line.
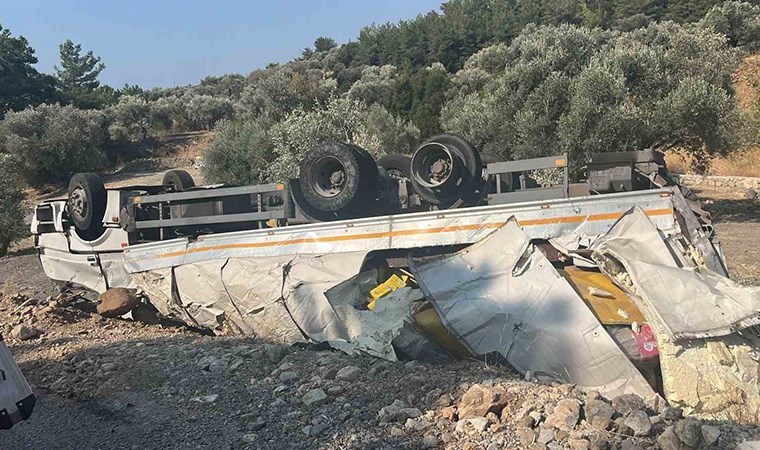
(430,323)
(388,286)
(610,304)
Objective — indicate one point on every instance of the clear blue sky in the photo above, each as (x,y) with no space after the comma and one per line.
(175,42)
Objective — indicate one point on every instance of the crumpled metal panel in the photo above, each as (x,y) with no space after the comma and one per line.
(502,295)
(688,302)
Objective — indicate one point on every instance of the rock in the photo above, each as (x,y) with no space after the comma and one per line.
(146,313)
(578,444)
(545,435)
(599,442)
(334,390)
(217,366)
(670,413)
(348,373)
(449,413)
(314,397)
(250,438)
(257,425)
(669,440)
(480,400)
(117,301)
(527,437)
(430,441)
(275,352)
(108,367)
(748,445)
(689,431)
(629,445)
(626,403)
(622,428)
(476,424)
(750,194)
(526,421)
(565,415)
(656,404)
(638,421)
(398,411)
(598,414)
(287,377)
(205,400)
(24,332)
(710,435)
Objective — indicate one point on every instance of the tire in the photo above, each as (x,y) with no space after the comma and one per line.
(462,186)
(86,205)
(337,177)
(179,180)
(397,166)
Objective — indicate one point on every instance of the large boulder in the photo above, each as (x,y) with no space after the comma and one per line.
(480,400)
(117,301)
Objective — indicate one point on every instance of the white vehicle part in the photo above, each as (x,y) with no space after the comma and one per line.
(62,265)
(16,397)
(690,302)
(717,376)
(540,220)
(502,295)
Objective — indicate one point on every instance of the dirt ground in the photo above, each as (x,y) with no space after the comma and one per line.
(117,384)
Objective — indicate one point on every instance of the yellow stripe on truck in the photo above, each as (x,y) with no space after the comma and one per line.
(412,232)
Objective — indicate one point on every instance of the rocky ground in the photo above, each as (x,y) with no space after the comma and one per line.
(112,384)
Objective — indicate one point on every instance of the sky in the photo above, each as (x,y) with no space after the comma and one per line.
(176,42)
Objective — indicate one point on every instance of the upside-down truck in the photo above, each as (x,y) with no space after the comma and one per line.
(617,284)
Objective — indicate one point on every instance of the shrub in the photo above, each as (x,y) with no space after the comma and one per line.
(135,118)
(738,21)
(241,153)
(51,142)
(204,111)
(12,205)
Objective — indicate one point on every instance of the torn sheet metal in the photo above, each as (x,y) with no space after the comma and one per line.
(688,302)
(610,304)
(511,301)
(373,331)
(540,220)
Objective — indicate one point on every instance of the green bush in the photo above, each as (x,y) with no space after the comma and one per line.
(12,205)
(135,118)
(576,90)
(241,153)
(49,143)
(738,21)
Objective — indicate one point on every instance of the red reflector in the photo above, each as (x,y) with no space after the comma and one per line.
(124,244)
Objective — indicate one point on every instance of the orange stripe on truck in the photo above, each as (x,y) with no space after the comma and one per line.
(412,232)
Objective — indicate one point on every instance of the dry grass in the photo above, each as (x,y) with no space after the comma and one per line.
(742,163)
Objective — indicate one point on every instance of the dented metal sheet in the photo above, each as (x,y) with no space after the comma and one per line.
(502,295)
(540,220)
(688,302)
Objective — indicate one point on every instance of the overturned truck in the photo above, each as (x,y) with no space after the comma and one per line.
(617,284)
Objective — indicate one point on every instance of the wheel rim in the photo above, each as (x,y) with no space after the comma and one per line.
(433,165)
(78,204)
(328,176)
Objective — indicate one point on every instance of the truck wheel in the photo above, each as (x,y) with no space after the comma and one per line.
(179,180)
(447,171)
(397,166)
(87,205)
(335,176)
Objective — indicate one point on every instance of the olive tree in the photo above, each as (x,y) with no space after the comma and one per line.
(738,21)
(204,111)
(241,153)
(342,119)
(50,142)
(135,118)
(575,90)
